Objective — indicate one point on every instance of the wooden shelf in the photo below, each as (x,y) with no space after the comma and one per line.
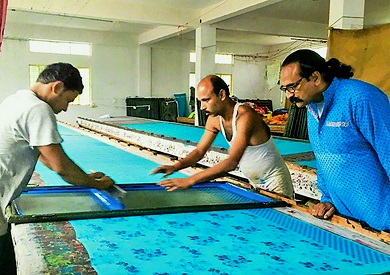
(277,128)
(186,120)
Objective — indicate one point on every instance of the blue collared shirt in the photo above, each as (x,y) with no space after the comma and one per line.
(351,142)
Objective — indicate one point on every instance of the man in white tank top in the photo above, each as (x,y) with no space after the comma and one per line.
(251,145)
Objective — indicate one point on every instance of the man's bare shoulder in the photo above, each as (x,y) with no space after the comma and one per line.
(249,113)
(251,121)
(213,123)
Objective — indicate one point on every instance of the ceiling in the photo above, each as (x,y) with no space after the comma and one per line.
(262,22)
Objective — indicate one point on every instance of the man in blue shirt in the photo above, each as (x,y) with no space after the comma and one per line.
(349,129)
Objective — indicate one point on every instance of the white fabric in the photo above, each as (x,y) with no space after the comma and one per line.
(263,165)
(320,107)
(26,122)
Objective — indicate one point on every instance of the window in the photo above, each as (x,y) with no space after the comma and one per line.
(219,58)
(228,80)
(83,99)
(223,59)
(226,77)
(193,80)
(60,47)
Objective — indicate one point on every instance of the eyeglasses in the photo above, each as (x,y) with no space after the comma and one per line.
(291,88)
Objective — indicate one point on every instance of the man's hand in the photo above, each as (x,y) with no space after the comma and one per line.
(167,169)
(323,210)
(175,184)
(101,180)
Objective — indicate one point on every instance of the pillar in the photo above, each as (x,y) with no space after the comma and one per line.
(346,14)
(206,38)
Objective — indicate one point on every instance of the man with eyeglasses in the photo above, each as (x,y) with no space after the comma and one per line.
(28,131)
(349,130)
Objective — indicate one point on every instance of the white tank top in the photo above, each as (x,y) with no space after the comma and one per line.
(262,164)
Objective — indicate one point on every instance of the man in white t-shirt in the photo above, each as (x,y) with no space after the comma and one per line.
(28,132)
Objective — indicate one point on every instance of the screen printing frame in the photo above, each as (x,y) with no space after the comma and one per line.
(115,207)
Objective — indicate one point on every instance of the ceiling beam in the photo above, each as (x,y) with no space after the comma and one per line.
(116,10)
(212,14)
(277,27)
(232,8)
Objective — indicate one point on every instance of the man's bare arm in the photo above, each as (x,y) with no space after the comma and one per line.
(236,152)
(198,153)
(54,157)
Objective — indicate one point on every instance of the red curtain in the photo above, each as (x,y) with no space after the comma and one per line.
(3,16)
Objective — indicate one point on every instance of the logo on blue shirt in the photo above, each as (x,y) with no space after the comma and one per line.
(337,124)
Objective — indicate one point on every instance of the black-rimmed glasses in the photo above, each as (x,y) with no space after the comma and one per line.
(291,87)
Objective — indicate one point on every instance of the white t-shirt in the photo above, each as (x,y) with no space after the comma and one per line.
(26,123)
(263,164)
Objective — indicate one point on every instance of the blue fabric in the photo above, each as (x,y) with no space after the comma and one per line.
(248,241)
(194,134)
(183,106)
(92,154)
(351,142)
(257,241)
(184,132)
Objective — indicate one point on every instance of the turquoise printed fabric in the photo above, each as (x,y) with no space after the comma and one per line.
(92,154)
(261,241)
(194,134)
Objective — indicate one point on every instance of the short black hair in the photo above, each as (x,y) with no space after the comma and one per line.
(64,72)
(309,61)
(218,84)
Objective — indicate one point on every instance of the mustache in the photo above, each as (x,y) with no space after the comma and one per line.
(295,99)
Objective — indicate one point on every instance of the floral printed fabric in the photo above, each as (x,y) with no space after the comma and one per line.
(261,241)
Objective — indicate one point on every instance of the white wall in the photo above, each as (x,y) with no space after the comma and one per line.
(170,72)
(249,80)
(171,69)
(115,67)
(113,64)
